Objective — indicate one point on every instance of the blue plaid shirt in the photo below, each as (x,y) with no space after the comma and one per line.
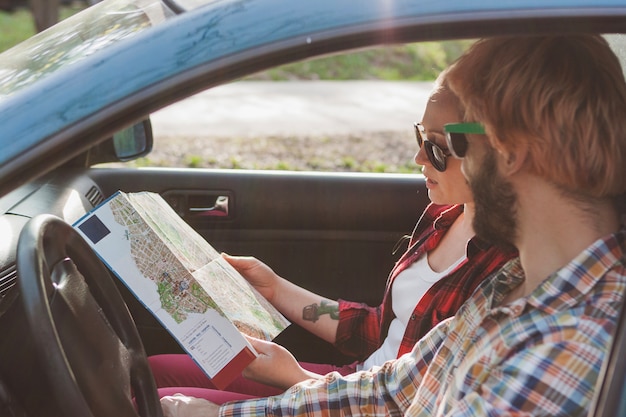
(540,355)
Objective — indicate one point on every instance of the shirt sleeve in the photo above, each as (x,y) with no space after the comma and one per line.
(380,391)
(358,332)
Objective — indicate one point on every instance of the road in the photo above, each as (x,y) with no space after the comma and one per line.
(277,108)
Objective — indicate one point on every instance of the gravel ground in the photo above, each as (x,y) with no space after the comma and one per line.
(365,152)
(300,125)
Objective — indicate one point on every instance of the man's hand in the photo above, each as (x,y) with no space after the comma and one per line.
(275,366)
(179,405)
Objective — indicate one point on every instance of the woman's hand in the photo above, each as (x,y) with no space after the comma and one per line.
(261,276)
(275,366)
(288,298)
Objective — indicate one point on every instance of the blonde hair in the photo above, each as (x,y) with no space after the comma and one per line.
(442,88)
(564,96)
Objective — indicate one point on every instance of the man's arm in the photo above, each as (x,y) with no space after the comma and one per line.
(386,390)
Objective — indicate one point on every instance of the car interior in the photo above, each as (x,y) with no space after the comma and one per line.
(312,227)
(309,227)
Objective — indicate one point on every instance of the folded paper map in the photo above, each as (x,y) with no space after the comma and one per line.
(198,297)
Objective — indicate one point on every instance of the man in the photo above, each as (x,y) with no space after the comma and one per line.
(544,152)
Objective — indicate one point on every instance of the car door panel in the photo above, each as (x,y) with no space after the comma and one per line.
(330,233)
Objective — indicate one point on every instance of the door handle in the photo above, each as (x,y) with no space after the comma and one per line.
(219,209)
(191,204)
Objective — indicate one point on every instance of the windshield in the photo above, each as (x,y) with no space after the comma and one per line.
(75,38)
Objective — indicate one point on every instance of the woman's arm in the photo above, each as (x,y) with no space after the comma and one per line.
(319,315)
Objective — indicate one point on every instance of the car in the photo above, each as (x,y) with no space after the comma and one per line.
(76,101)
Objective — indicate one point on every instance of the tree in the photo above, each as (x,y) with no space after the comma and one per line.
(45,13)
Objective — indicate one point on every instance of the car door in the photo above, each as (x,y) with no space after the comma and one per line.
(331,233)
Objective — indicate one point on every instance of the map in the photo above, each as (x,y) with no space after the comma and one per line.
(198,296)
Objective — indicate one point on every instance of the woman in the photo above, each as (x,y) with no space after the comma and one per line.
(443,265)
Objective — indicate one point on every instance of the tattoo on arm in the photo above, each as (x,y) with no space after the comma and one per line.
(314,311)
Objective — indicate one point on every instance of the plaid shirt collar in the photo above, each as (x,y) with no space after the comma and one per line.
(557,292)
(444,221)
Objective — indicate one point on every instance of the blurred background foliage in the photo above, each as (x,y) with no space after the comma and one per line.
(17,22)
(417,62)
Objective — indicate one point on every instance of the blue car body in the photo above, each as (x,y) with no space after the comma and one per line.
(73,86)
(119,79)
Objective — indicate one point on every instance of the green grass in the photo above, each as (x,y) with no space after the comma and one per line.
(194,161)
(15,27)
(19,25)
(418,62)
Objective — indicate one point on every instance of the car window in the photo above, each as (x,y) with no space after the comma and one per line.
(351,112)
(618,43)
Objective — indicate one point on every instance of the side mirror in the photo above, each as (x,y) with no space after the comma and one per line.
(133,142)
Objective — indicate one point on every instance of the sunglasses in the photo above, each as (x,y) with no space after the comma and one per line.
(435,154)
(456,136)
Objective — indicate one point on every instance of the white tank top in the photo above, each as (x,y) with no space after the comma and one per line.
(408,288)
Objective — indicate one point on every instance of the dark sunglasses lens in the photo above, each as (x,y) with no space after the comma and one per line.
(435,156)
(458,144)
(418,134)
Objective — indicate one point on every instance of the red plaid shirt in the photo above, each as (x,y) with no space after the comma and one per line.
(362,329)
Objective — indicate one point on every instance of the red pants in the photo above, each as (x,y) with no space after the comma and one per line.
(178,373)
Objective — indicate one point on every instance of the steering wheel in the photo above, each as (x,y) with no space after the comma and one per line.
(82,330)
